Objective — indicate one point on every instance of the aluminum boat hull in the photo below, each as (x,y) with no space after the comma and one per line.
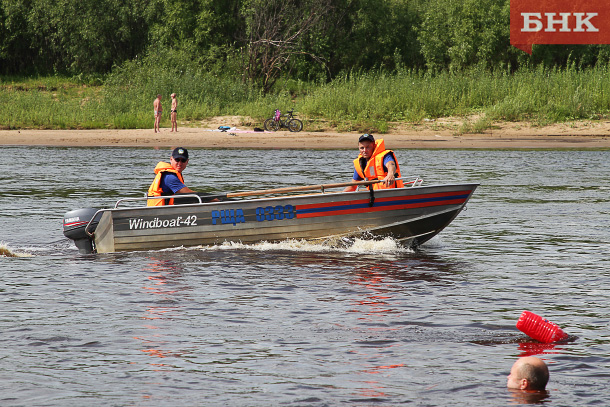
(411,215)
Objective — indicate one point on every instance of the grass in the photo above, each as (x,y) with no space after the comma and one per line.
(354,102)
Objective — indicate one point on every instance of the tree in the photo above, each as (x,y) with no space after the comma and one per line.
(457,34)
(276,33)
(16,54)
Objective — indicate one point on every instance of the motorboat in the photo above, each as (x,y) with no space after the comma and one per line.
(412,215)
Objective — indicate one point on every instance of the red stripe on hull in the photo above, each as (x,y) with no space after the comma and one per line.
(379,209)
(396,198)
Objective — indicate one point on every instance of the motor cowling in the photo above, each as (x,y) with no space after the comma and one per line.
(75,223)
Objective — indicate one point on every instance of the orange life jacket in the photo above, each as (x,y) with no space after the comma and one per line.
(155,188)
(373,169)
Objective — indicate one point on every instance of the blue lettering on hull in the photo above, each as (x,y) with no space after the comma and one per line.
(228,216)
(278,212)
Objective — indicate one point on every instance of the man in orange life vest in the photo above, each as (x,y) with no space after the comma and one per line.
(168,180)
(375,163)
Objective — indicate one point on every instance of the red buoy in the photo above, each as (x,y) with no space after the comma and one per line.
(539,328)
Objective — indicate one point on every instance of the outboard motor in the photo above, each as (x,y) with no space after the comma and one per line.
(75,223)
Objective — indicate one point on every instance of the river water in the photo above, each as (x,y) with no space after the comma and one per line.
(295,324)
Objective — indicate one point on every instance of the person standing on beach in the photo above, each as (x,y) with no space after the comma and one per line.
(158,111)
(173,113)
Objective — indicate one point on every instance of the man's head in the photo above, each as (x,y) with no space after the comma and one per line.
(528,373)
(173,95)
(179,158)
(159,96)
(366,145)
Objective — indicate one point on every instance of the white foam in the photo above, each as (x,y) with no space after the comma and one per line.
(6,251)
(387,245)
(357,245)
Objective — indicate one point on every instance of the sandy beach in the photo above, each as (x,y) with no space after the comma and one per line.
(441,133)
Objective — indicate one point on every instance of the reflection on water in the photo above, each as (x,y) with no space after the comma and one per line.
(165,290)
(520,397)
(375,306)
(364,322)
(533,348)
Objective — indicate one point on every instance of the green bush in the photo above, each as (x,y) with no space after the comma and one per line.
(360,100)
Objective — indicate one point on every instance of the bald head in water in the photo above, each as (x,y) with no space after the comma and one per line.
(528,373)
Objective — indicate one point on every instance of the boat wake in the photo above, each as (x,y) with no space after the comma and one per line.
(6,251)
(364,245)
(387,245)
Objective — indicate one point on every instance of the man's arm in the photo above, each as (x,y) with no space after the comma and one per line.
(173,183)
(390,178)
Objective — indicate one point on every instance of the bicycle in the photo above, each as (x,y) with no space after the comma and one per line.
(287,121)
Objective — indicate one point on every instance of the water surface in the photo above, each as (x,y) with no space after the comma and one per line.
(295,323)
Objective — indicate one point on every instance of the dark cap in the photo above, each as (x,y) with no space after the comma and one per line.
(180,152)
(368,137)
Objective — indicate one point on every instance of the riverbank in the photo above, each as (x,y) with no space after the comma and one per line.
(441,133)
